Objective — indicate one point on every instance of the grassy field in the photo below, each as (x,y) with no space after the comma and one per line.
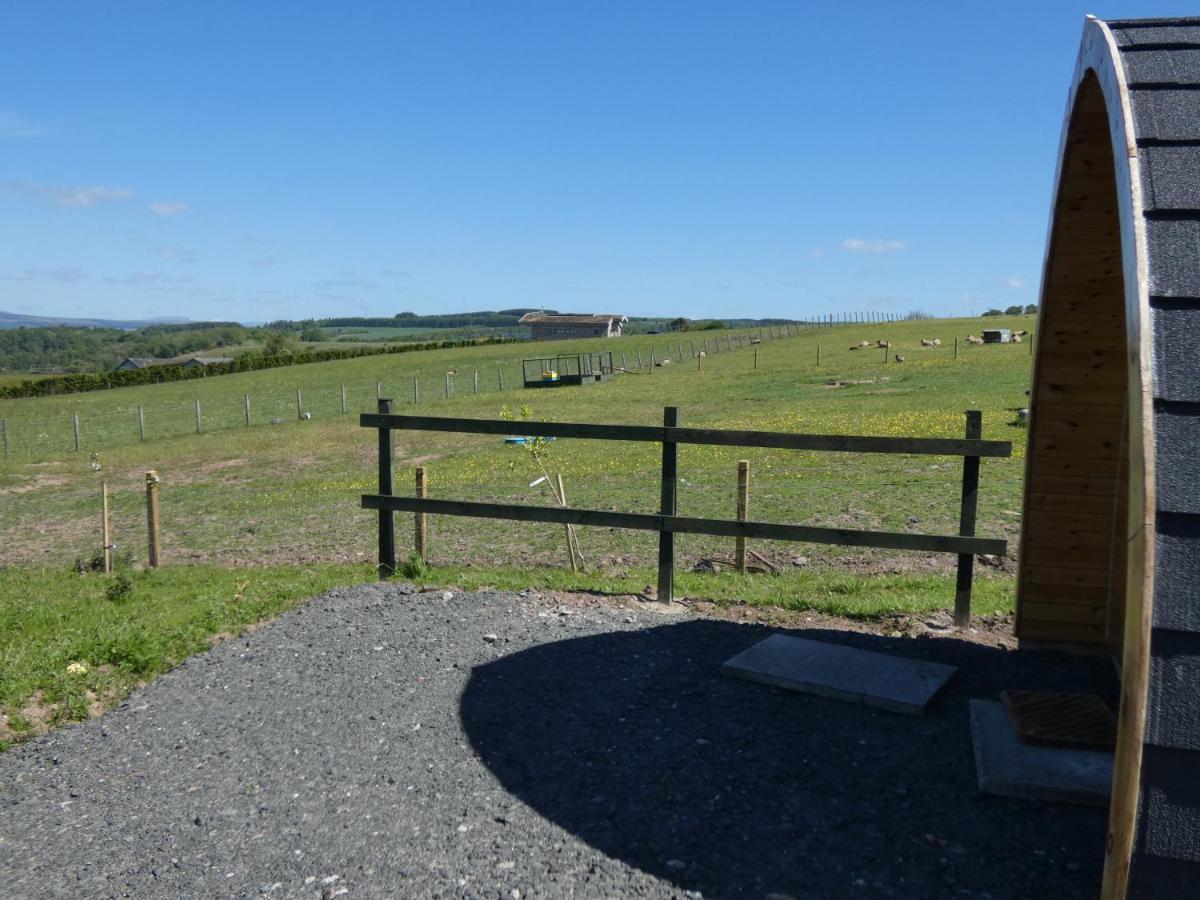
(251,502)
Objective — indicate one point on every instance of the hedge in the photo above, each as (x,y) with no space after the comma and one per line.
(249,362)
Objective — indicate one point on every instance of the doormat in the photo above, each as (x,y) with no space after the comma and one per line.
(1061,720)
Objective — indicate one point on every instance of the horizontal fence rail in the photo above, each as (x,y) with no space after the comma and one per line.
(667,523)
(780,440)
(808,534)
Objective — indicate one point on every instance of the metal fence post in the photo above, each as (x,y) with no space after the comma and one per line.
(743,510)
(387,521)
(966,522)
(667,507)
(152,519)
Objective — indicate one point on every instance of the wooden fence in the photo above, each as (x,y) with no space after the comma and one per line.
(667,523)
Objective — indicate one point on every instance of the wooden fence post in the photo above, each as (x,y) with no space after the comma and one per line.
(667,507)
(476,390)
(387,521)
(447,385)
(378,389)
(639,359)
(75,426)
(141,424)
(197,404)
(105,533)
(966,523)
(818,354)
(500,377)
(4,434)
(246,408)
(651,367)
(756,357)
(421,520)
(299,405)
(692,345)
(743,510)
(624,362)
(343,404)
(416,391)
(152,520)
(956,348)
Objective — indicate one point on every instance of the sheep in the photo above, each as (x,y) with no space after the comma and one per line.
(937,342)
(863,344)
(899,358)
(925,342)
(883,345)
(1020,333)
(1016,339)
(971,339)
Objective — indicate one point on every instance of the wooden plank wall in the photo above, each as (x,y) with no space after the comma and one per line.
(1078,404)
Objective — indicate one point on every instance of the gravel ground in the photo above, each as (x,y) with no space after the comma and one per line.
(384,743)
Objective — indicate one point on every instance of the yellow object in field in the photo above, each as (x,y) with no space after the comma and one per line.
(549,376)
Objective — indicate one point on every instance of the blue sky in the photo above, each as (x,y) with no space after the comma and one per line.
(257,161)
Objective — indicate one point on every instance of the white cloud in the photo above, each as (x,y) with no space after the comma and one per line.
(858,245)
(347,281)
(168,208)
(75,197)
(62,274)
(14,126)
(147,278)
(182,254)
(1015,282)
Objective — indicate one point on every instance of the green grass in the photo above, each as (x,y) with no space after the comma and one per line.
(52,618)
(279,505)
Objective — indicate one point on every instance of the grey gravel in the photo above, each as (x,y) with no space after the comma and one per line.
(369,744)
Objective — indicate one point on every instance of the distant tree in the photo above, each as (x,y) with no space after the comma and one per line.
(680,324)
(1014,310)
(1031,309)
(711,325)
(993,312)
(918,314)
(310,331)
(277,343)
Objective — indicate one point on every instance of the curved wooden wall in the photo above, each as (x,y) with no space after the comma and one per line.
(1110,547)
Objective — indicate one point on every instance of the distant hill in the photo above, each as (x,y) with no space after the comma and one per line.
(21,320)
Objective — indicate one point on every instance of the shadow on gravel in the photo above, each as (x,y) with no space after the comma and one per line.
(636,744)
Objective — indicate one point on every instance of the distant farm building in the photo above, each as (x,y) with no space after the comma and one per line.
(136,362)
(560,328)
(197,361)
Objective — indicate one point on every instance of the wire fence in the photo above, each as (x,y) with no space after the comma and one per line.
(38,436)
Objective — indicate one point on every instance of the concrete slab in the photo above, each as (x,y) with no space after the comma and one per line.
(1009,768)
(843,673)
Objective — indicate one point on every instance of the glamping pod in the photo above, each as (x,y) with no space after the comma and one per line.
(1110,547)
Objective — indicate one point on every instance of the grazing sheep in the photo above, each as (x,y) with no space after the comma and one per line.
(1020,333)
(899,358)
(863,344)
(1016,339)
(971,339)
(926,342)
(937,342)
(883,345)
